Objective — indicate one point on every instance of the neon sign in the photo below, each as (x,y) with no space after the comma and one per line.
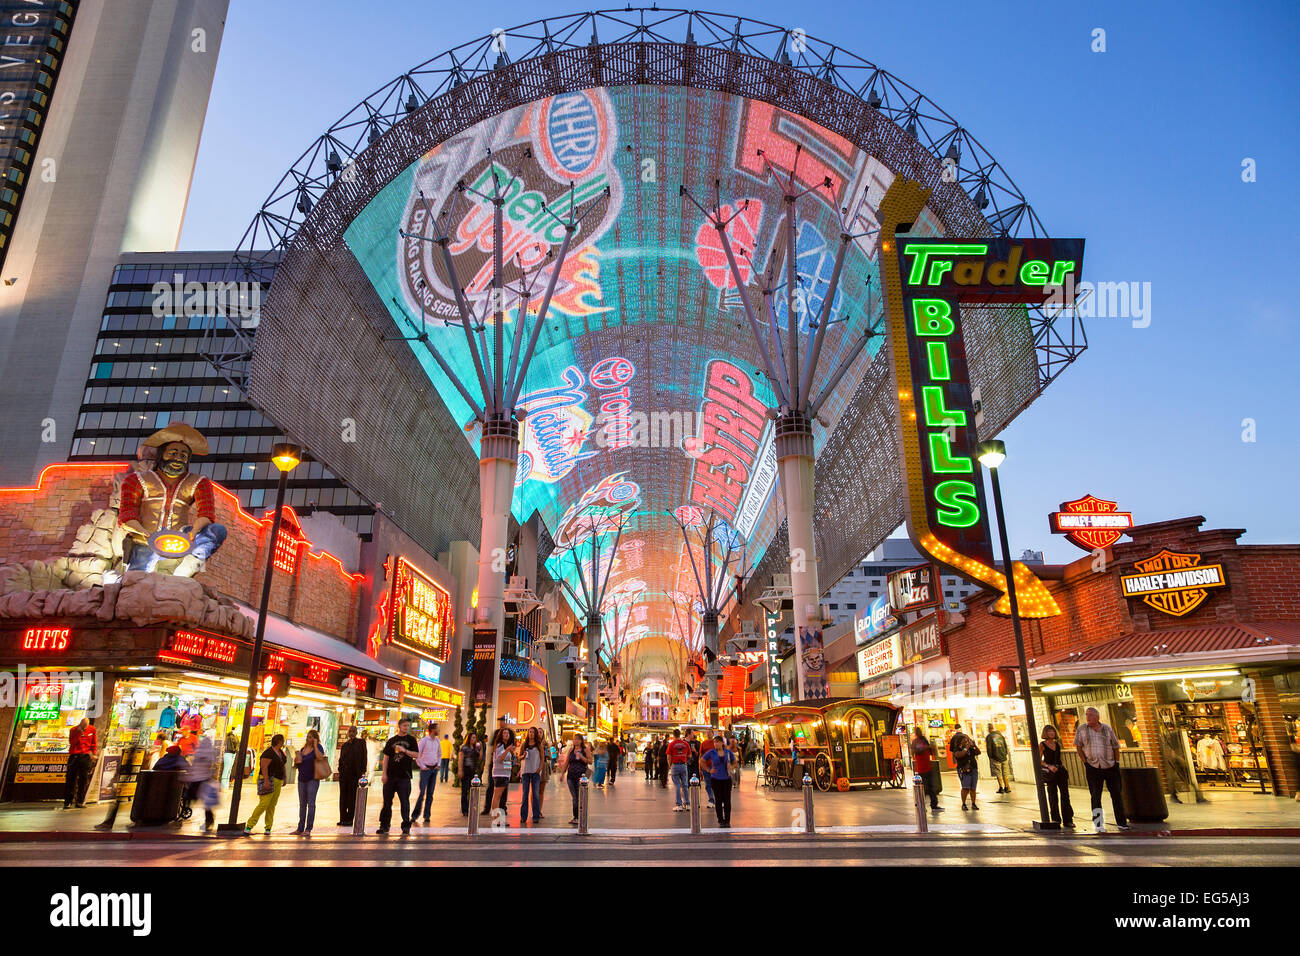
(47,638)
(1172,582)
(421,616)
(202,645)
(1090,523)
(925,280)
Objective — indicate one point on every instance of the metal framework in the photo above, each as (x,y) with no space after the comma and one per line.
(328,326)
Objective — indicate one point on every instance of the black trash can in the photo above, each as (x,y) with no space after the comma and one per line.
(1144,801)
(157,797)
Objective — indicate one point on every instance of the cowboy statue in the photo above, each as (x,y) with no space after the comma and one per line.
(160,499)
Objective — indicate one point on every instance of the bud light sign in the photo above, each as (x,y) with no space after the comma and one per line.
(873,620)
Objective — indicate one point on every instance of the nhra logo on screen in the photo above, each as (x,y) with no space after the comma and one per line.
(573,135)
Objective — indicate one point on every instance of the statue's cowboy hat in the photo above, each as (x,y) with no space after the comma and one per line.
(181,432)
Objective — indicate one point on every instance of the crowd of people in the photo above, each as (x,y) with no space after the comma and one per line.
(527,758)
(682,758)
(1096,743)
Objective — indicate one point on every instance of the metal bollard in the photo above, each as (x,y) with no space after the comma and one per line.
(809,826)
(695,804)
(583,785)
(473,805)
(359,813)
(918,793)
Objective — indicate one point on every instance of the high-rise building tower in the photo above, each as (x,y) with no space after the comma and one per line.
(110,105)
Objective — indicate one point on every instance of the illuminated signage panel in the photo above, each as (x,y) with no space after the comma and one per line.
(1090,523)
(925,280)
(420,617)
(1172,582)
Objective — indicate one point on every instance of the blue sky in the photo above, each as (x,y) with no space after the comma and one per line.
(1138,149)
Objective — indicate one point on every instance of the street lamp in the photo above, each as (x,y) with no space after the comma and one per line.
(286,457)
(991,455)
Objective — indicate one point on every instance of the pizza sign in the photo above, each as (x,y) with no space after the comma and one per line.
(1090,523)
(1172,582)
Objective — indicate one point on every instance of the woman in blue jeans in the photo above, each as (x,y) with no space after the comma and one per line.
(530,774)
(305,761)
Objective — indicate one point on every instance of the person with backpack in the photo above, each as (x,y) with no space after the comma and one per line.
(965,753)
(999,759)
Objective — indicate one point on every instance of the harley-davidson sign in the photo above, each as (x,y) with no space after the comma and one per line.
(1090,523)
(1173,582)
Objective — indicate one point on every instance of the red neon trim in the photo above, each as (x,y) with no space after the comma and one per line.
(173,658)
(109,468)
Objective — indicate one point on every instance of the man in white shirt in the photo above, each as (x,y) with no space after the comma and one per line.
(428,760)
(1098,747)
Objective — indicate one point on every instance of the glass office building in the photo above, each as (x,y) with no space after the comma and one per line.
(148,369)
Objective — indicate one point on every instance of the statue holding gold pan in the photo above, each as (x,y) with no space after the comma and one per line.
(156,504)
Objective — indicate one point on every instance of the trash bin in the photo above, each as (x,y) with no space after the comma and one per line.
(157,797)
(1144,801)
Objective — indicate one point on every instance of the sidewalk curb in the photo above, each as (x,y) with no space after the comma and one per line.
(67,836)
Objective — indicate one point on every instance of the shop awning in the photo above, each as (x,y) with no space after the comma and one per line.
(1261,642)
(305,640)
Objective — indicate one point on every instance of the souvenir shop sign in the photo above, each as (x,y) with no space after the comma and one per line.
(878,658)
(914,588)
(921,640)
(46,639)
(926,280)
(1172,582)
(420,616)
(1090,523)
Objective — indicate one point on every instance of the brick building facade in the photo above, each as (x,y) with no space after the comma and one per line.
(1246,631)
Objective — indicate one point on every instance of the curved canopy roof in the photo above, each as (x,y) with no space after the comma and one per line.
(645,393)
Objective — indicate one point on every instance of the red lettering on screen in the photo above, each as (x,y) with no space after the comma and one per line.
(46,638)
(726,448)
(776,133)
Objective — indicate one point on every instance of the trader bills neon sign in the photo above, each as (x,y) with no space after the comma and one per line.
(925,280)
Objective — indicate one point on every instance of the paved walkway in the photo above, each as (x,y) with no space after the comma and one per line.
(634,807)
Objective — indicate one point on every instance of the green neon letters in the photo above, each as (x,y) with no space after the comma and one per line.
(936,354)
(955,501)
(932,317)
(935,412)
(958,507)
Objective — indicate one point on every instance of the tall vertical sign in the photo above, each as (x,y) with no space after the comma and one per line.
(33,42)
(925,281)
(773,665)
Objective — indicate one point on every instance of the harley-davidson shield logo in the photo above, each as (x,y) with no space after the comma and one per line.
(1090,523)
(1172,582)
